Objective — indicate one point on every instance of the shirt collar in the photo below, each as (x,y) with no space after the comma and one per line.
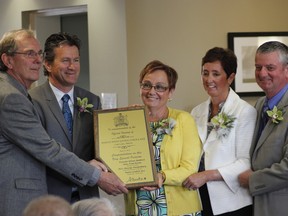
(59,94)
(275,99)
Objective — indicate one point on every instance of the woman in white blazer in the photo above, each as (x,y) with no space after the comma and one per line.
(225,126)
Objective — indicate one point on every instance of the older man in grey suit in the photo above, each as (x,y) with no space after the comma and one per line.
(268,182)
(25,147)
(62,66)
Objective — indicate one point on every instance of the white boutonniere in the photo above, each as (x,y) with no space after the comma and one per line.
(276,115)
(84,106)
(162,127)
(222,124)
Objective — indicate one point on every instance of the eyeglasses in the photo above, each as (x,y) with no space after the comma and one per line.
(31,54)
(157,87)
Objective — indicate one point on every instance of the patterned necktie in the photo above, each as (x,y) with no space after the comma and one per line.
(67,113)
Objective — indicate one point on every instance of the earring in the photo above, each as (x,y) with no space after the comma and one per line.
(169,99)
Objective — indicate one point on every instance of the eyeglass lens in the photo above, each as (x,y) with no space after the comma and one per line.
(157,87)
(31,54)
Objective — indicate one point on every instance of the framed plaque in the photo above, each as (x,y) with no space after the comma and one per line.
(123,143)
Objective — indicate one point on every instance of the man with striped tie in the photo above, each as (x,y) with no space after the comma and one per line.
(63,113)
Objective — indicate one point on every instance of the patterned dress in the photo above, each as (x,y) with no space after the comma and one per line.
(153,203)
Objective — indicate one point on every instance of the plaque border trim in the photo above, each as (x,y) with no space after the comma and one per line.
(150,145)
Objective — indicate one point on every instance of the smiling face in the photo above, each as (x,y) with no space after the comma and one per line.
(23,68)
(215,80)
(65,69)
(152,99)
(271,74)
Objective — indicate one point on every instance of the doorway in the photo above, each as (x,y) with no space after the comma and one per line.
(69,19)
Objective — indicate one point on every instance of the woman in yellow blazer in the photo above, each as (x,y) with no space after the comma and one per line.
(177,149)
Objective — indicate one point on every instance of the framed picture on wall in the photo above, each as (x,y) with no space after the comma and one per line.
(244,45)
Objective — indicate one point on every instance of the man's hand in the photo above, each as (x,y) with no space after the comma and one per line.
(243,178)
(111,184)
(98,165)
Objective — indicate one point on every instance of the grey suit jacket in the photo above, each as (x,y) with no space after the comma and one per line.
(25,149)
(82,143)
(269,156)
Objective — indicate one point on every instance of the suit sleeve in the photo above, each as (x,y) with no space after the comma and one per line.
(271,167)
(24,129)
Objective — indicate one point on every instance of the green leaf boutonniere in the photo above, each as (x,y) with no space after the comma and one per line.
(276,115)
(83,106)
(222,123)
(164,126)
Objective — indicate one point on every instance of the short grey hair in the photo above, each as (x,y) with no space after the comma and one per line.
(8,43)
(275,46)
(94,207)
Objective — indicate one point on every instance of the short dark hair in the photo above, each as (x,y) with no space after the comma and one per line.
(56,40)
(226,57)
(158,65)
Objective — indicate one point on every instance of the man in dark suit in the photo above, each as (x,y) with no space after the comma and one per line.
(62,67)
(268,179)
(25,147)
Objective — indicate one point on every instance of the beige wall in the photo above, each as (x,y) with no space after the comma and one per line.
(180,32)
(125,35)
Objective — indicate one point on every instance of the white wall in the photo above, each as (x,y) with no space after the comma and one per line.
(108,49)
(107,39)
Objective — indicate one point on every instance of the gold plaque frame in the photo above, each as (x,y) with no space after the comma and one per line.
(123,143)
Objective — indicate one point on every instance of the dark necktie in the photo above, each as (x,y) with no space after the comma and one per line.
(67,113)
(29,98)
(264,113)
(264,118)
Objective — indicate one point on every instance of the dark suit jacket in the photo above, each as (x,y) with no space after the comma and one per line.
(25,149)
(269,157)
(82,143)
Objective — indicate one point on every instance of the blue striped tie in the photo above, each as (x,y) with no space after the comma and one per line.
(67,113)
